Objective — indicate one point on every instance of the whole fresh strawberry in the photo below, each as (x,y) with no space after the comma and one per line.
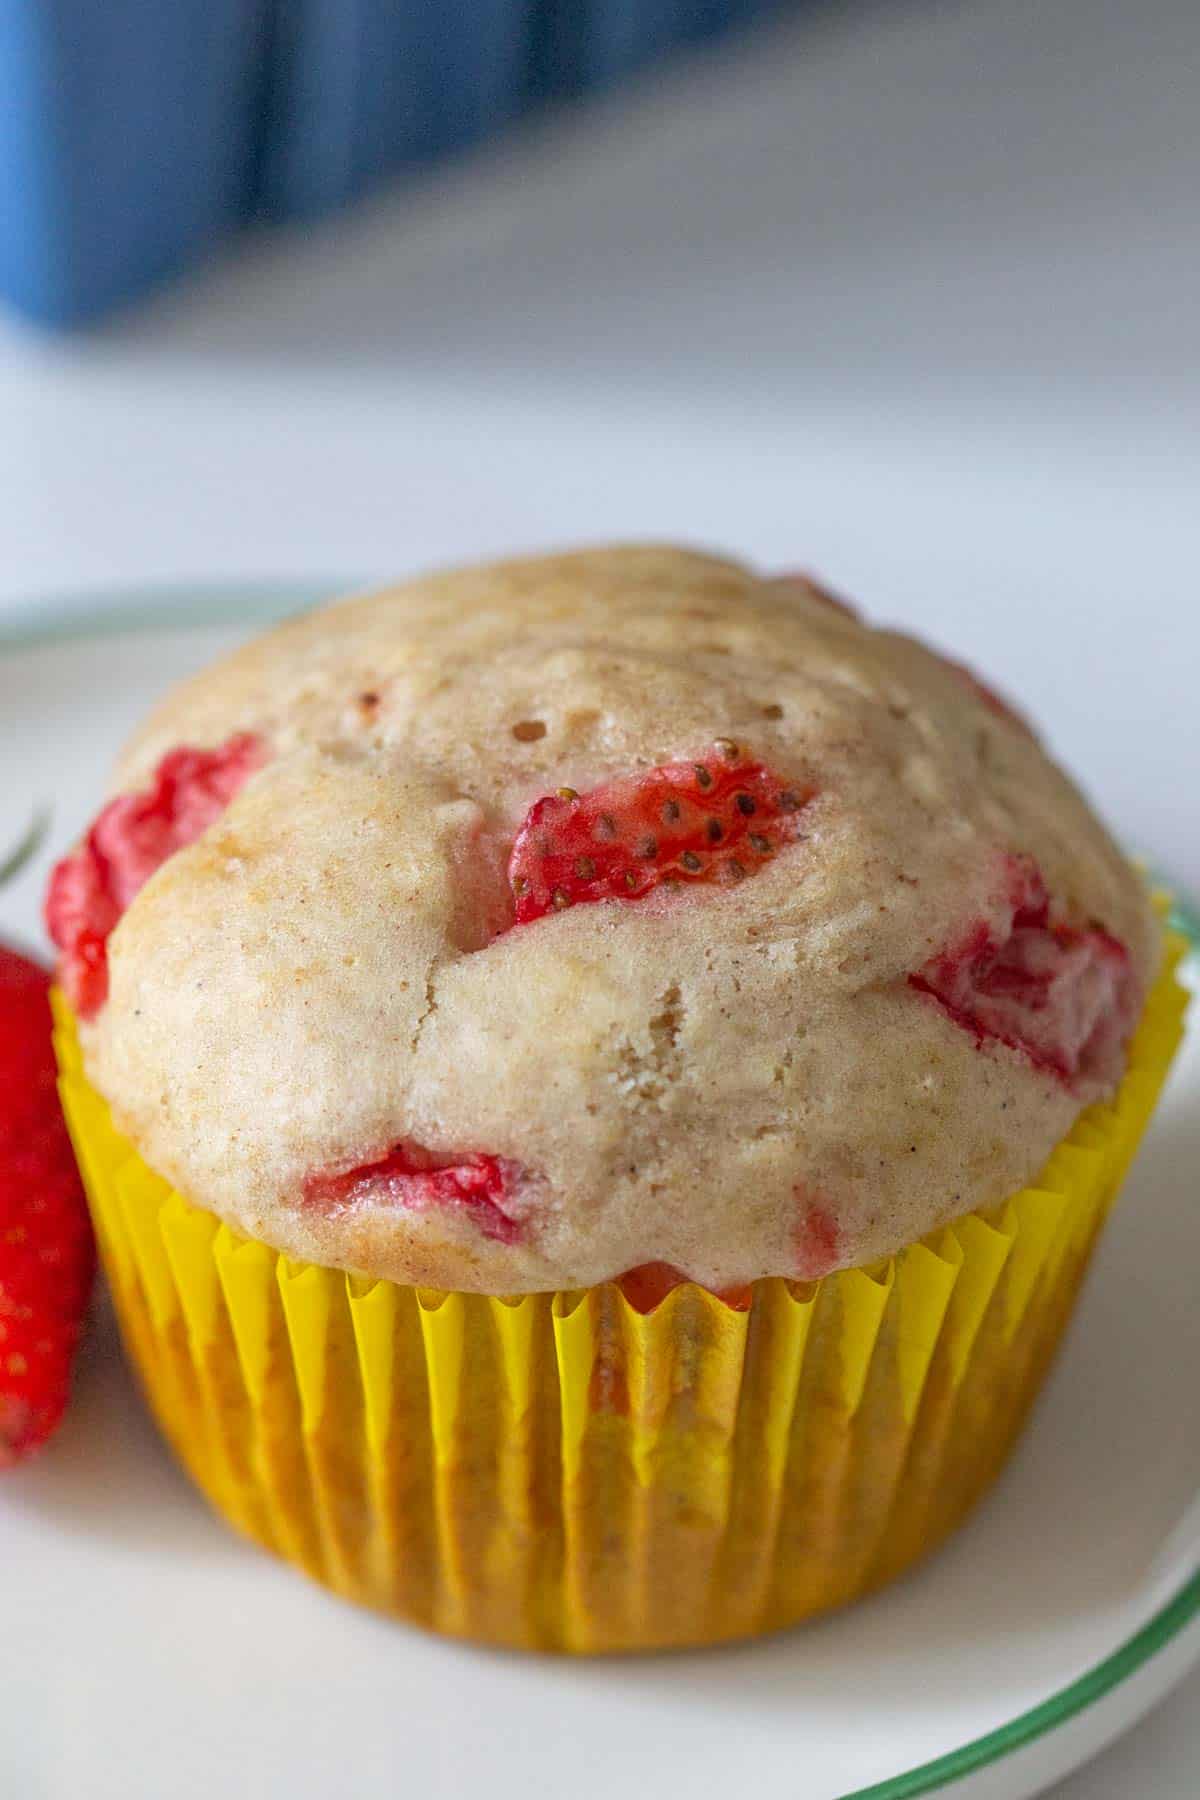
(47,1256)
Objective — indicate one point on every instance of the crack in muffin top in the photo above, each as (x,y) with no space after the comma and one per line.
(577,914)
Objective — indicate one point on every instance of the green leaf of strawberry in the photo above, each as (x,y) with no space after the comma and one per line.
(26,846)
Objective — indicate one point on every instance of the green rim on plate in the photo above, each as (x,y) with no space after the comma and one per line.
(54,619)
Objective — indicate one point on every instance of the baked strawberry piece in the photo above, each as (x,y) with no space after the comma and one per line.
(816,590)
(648,1285)
(984,692)
(46,1251)
(408,1176)
(715,820)
(818,1240)
(1058,993)
(132,837)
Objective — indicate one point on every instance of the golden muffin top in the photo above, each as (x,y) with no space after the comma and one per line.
(522,925)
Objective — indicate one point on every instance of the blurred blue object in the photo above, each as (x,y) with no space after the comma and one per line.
(136,134)
(365,87)
(361,87)
(126,143)
(621,35)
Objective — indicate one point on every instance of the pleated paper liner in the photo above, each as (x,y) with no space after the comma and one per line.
(561,1471)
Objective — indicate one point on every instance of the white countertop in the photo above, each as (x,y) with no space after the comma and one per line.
(907,294)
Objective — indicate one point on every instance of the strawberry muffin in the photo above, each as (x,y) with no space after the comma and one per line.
(598,1078)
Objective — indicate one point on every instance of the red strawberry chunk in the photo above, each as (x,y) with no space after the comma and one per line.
(816,590)
(717,819)
(46,1250)
(132,837)
(1004,709)
(818,1240)
(1059,993)
(416,1179)
(648,1285)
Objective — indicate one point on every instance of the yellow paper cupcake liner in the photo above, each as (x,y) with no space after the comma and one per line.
(559,1471)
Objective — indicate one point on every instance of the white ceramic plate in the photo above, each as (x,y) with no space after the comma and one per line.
(144,1651)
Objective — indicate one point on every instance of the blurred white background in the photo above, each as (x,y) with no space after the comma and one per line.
(907,293)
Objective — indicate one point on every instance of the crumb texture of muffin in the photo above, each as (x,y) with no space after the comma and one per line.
(576,914)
